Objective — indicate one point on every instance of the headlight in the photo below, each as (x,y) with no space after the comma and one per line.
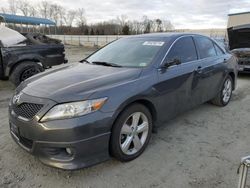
(74,109)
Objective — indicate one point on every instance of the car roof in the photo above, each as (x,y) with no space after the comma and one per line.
(172,35)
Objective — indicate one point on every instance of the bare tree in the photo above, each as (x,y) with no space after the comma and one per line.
(69,18)
(4,10)
(136,27)
(122,20)
(147,23)
(74,21)
(81,20)
(51,11)
(44,9)
(23,6)
(32,11)
(61,14)
(13,6)
(26,8)
(54,12)
(167,25)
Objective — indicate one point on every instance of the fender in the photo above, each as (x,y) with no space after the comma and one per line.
(14,61)
(137,99)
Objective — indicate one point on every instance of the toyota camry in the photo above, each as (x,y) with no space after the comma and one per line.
(109,104)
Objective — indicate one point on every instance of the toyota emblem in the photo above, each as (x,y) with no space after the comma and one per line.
(16,99)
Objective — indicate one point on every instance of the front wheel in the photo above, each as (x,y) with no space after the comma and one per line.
(131,133)
(23,71)
(224,96)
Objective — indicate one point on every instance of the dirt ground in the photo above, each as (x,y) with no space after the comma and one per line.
(200,148)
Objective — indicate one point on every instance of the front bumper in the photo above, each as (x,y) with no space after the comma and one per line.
(85,152)
(86,137)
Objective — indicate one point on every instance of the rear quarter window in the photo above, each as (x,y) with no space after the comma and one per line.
(205,47)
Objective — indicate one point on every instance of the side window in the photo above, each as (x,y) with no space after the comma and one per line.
(205,47)
(218,50)
(184,50)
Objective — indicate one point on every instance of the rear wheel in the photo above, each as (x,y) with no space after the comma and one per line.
(23,71)
(131,133)
(224,96)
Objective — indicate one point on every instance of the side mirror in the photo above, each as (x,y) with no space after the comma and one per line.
(172,63)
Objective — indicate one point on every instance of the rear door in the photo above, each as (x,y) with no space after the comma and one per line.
(212,59)
(176,82)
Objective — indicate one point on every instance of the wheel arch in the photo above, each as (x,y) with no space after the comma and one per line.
(145,102)
(232,75)
(12,68)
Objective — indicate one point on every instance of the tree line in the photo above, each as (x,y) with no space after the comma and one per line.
(73,21)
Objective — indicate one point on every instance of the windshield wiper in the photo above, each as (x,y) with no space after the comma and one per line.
(105,64)
(85,60)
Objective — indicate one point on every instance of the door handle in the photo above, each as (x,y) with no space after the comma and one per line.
(199,70)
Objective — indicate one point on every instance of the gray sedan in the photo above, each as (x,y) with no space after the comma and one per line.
(110,103)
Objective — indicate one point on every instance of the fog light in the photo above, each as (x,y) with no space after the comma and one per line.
(69,151)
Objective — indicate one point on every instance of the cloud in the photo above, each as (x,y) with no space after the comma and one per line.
(182,13)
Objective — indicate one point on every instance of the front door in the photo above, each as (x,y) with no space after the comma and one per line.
(177,82)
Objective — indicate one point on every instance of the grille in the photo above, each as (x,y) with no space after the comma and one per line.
(27,110)
(244,62)
(247,69)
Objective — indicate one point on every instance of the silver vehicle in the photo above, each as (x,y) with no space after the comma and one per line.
(239,39)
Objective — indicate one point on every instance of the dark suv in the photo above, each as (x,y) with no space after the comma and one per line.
(24,55)
(109,104)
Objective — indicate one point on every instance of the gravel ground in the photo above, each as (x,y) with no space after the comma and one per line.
(200,148)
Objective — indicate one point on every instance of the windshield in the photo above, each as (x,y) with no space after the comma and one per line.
(130,52)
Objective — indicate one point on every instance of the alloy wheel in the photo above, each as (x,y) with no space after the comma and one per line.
(227,91)
(134,133)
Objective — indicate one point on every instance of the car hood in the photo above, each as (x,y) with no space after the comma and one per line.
(239,37)
(76,81)
(241,52)
(9,37)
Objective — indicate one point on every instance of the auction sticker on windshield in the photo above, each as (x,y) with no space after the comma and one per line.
(153,43)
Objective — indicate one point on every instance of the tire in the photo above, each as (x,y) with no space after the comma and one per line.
(131,133)
(221,99)
(23,71)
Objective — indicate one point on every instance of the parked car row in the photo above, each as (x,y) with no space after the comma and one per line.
(109,104)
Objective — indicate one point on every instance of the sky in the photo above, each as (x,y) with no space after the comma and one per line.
(184,14)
